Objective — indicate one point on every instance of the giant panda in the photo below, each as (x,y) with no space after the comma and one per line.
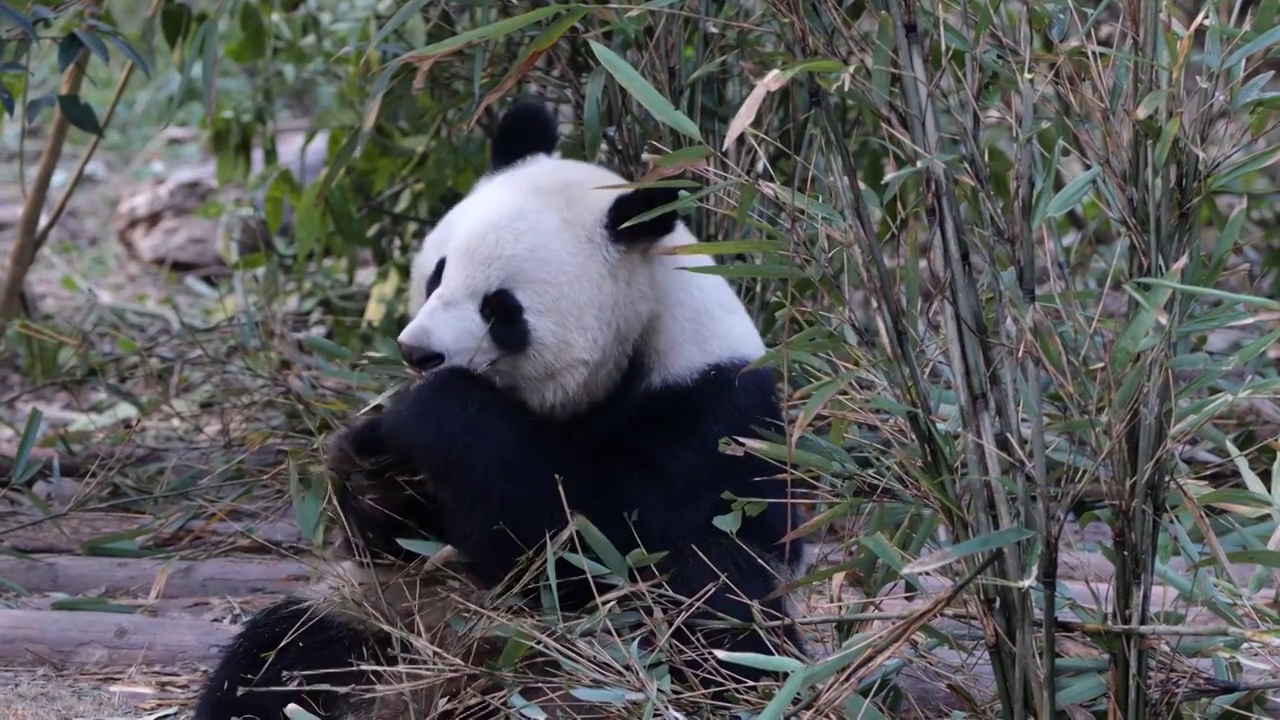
(566,361)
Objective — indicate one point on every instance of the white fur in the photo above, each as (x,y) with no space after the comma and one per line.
(537,229)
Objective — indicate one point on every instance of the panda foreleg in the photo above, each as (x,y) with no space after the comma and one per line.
(378,496)
(490,471)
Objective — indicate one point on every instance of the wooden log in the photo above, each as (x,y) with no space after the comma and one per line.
(26,532)
(96,639)
(155,578)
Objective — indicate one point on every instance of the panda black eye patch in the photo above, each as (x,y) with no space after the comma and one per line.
(505,316)
(437,275)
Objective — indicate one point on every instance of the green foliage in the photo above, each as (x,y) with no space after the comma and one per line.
(995,247)
(77,33)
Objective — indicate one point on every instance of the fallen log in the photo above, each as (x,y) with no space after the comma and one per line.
(155,578)
(26,532)
(96,639)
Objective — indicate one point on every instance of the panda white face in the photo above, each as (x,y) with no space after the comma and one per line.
(524,282)
(531,281)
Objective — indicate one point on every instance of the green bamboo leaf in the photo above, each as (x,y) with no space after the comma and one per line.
(94,43)
(1071,195)
(293,712)
(175,23)
(729,522)
(1227,240)
(612,696)
(729,247)
(308,505)
(684,155)
(425,548)
(1252,91)
(1136,333)
(1151,103)
(22,21)
(1167,136)
(1044,183)
(129,52)
(1257,556)
(1076,691)
(401,16)
(1251,479)
(1236,496)
(329,348)
(984,543)
(769,663)
(1212,292)
(647,95)
(592,127)
(1251,163)
(1263,41)
(804,203)
(601,546)
(25,443)
(254,28)
(749,270)
(777,707)
(92,604)
(856,706)
(68,50)
(587,564)
(485,32)
(827,389)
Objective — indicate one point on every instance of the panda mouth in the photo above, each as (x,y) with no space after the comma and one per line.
(421,372)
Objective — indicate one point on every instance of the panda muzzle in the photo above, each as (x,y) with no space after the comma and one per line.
(420,358)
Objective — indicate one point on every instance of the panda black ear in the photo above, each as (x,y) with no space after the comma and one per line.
(526,128)
(635,203)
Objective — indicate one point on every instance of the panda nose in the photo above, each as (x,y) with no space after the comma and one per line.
(420,358)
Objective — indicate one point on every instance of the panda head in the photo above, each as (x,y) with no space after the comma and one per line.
(533,281)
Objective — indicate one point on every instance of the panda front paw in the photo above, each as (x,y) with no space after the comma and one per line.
(379,497)
(355,448)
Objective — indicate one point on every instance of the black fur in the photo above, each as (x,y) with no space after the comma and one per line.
(433,280)
(290,637)
(636,203)
(643,466)
(527,128)
(492,465)
(505,316)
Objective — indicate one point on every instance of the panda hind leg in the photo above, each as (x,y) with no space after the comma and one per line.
(296,644)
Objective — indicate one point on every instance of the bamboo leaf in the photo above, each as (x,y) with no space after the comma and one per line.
(22,21)
(68,50)
(749,270)
(1212,292)
(984,543)
(425,548)
(25,443)
(401,16)
(769,663)
(646,94)
(728,247)
(1251,163)
(777,706)
(1071,195)
(1263,41)
(601,546)
(485,32)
